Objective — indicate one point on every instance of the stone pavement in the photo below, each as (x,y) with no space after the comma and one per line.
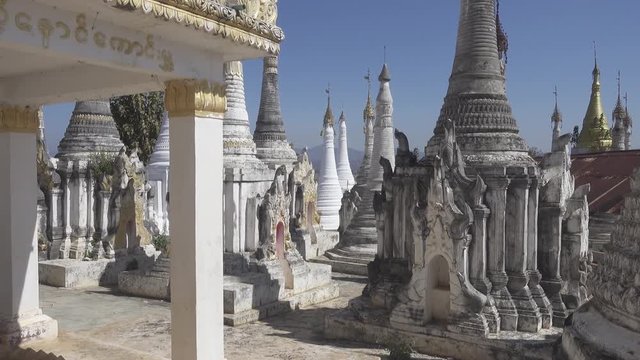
(100,324)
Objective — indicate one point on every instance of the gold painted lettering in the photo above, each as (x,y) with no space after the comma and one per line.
(23,22)
(100,39)
(66,31)
(46,28)
(81,29)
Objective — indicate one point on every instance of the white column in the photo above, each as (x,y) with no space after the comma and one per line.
(20,316)
(196,110)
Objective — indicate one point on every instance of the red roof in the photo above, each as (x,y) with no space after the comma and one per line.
(608,173)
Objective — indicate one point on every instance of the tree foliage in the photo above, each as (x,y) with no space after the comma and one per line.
(139,118)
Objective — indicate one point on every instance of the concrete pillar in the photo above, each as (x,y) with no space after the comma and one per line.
(496,198)
(21,318)
(532,252)
(529,318)
(196,111)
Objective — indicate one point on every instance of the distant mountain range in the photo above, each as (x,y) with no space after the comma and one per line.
(315,155)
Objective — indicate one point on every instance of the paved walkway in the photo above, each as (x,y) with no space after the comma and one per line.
(100,324)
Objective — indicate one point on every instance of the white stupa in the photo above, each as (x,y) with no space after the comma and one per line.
(383,141)
(345,175)
(329,191)
(158,177)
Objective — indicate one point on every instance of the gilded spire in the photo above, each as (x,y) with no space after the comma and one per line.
(369,112)
(556,118)
(328,115)
(595,135)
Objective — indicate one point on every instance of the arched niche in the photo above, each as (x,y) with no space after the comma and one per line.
(438,291)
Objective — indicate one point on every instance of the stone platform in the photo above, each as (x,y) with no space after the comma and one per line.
(592,336)
(71,273)
(358,323)
(252,291)
(350,259)
(312,245)
(272,290)
(152,284)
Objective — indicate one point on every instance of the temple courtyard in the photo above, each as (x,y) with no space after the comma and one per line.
(99,323)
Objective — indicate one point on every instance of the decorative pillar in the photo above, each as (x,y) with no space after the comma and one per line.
(65,245)
(532,252)
(550,240)
(21,318)
(79,207)
(529,318)
(496,198)
(91,213)
(196,110)
(56,228)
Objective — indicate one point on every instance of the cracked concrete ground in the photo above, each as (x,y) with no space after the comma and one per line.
(100,324)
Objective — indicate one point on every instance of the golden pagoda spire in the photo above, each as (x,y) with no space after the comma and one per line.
(595,135)
(369,112)
(328,115)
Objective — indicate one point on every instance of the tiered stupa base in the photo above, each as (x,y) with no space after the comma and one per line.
(358,244)
(360,323)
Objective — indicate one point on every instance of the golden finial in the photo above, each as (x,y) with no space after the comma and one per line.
(368,112)
(328,116)
(557,116)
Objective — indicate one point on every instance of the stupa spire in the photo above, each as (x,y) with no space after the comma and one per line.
(628,123)
(91,130)
(383,140)
(369,117)
(329,191)
(618,131)
(595,134)
(476,100)
(239,148)
(345,175)
(556,119)
(269,136)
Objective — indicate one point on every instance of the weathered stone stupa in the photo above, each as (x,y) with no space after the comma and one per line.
(608,326)
(329,192)
(269,135)
(345,175)
(459,269)
(383,139)
(91,130)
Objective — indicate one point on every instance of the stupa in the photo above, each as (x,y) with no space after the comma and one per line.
(595,134)
(345,175)
(383,139)
(608,326)
(329,192)
(269,136)
(91,130)
(459,271)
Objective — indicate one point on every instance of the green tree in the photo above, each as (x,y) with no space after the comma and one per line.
(138,118)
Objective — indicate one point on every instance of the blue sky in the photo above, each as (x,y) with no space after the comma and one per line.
(336,41)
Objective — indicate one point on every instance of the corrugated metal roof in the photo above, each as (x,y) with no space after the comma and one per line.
(608,173)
